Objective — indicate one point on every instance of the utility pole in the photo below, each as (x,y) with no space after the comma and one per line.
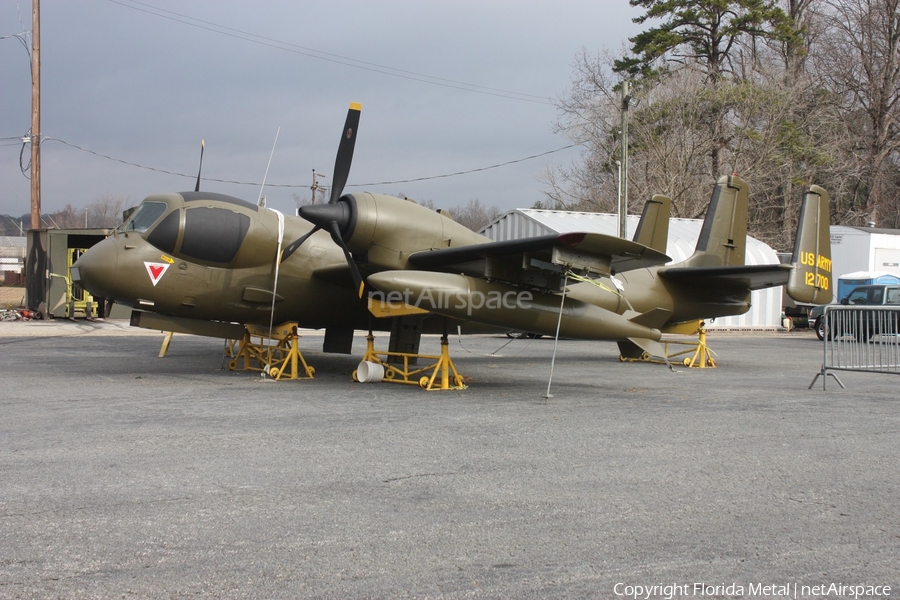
(619,197)
(623,168)
(315,185)
(36,114)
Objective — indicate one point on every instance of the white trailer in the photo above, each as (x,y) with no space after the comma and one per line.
(855,249)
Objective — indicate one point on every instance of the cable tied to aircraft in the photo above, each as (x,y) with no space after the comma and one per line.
(596,282)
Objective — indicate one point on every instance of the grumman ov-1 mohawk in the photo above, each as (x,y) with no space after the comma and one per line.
(199,262)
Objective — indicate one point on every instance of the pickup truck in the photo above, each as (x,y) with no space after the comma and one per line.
(865,295)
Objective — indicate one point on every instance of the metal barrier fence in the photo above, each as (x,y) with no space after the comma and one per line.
(860,338)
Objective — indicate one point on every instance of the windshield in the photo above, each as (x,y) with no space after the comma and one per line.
(145,216)
(857,297)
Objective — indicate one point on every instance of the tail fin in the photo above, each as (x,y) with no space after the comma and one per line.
(653,228)
(810,279)
(723,238)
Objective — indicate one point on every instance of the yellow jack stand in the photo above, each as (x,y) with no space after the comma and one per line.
(441,370)
(280,361)
(702,357)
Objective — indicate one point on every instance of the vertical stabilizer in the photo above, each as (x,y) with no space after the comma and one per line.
(653,228)
(723,238)
(810,279)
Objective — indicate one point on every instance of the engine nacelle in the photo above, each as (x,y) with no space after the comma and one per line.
(388,229)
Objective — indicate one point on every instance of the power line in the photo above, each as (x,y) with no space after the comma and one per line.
(497,166)
(327,56)
(304,185)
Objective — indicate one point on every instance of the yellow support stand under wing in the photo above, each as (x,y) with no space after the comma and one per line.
(443,373)
(282,360)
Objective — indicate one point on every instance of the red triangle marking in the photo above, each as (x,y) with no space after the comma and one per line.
(156,271)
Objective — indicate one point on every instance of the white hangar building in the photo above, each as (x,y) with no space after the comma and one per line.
(765,305)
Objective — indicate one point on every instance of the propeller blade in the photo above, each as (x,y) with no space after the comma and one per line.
(345,153)
(292,247)
(199,170)
(354,270)
(334,216)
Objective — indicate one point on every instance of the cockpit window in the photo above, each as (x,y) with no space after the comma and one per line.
(145,216)
(213,234)
(165,234)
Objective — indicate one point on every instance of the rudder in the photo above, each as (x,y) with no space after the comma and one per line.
(810,279)
(723,237)
(653,228)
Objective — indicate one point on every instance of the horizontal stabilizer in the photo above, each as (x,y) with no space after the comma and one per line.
(753,277)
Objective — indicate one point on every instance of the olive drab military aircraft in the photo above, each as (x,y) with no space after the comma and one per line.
(200,262)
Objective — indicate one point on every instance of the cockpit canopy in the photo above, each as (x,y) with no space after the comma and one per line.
(193,226)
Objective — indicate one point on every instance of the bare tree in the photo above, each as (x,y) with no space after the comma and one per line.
(106,211)
(860,63)
(589,115)
(814,99)
(474,214)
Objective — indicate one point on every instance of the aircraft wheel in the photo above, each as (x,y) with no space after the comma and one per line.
(232,365)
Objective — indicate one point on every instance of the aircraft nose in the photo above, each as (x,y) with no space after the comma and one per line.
(95,270)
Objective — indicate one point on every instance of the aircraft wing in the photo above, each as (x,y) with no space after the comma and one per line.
(754,277)
(531,260)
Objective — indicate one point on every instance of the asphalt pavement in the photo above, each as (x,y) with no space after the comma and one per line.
(127,475)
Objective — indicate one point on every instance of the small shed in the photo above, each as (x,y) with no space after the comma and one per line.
(50,253)
(765,305)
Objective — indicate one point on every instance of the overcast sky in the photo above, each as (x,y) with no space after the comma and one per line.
(445,86)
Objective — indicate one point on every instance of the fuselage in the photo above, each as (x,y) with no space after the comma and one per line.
(214,257)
